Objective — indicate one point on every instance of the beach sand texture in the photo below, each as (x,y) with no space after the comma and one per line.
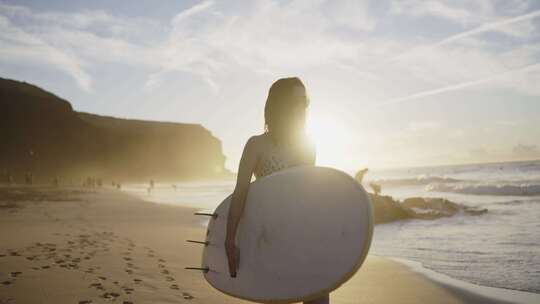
(73,245)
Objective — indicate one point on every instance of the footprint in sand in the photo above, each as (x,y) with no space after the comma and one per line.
(187,296)
(150,252)
(72,266)
(7,283)
(174,286)
(85,301)
(110,295)
(15,274)
(97,286)
(129,265)
(169,279)
(137,281)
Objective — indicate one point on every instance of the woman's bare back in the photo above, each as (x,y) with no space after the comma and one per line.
(272,158)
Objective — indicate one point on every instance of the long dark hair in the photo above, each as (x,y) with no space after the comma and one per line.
(285,111)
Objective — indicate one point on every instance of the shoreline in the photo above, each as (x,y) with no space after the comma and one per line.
(470,290)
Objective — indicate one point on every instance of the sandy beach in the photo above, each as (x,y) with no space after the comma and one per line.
(75,245)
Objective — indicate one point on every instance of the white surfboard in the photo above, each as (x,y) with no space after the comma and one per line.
(304,232)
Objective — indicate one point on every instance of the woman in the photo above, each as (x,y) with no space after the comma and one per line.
(284,144)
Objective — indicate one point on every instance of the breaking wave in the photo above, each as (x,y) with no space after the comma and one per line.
(416,181)
(487,189)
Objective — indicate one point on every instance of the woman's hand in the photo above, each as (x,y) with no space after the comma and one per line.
(233,256)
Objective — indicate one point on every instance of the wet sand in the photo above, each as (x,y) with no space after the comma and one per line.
(72,245)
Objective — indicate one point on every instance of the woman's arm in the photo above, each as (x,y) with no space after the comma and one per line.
(238,201)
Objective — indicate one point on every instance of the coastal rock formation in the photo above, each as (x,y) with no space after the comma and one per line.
(42,134)
(387,209)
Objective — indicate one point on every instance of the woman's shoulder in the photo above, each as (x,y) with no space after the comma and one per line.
(259,139)
(258,142)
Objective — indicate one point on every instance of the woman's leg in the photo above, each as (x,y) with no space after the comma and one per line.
(322,300)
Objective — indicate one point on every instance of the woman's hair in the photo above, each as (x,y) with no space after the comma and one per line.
(285,110)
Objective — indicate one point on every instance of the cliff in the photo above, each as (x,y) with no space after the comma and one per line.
(42,134)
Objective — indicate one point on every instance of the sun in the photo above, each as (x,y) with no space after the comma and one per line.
(331,137)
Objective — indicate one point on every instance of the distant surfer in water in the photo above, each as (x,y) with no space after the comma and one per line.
(283,144)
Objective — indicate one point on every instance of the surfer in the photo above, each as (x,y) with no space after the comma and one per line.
(359,177)
(283,144)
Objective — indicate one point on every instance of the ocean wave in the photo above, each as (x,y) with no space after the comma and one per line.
(487,189)
(416,181)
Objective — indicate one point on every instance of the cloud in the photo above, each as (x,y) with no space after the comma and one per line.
(17,46)
(197,8)
(431,8)
(508,17)
(502,26)
(509,74)
(212,41)
(493,26)
(71,42)
(266,37)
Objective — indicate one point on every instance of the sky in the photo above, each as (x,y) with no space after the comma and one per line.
(391,83)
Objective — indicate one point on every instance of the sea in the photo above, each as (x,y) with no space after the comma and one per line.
(500,248)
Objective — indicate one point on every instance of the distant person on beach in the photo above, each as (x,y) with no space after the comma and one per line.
(376,188)
(151,186)
(29,178)
(360,175)
(283,144)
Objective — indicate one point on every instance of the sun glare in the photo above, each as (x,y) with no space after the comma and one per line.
(331,139)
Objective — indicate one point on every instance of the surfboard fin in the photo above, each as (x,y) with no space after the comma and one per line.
(203,269)
(214,215)
(198,242)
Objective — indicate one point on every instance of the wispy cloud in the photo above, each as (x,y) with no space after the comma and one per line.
(18,46)
(210,41)
(490,27)
(197,8)
(266,37)
(459,86)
